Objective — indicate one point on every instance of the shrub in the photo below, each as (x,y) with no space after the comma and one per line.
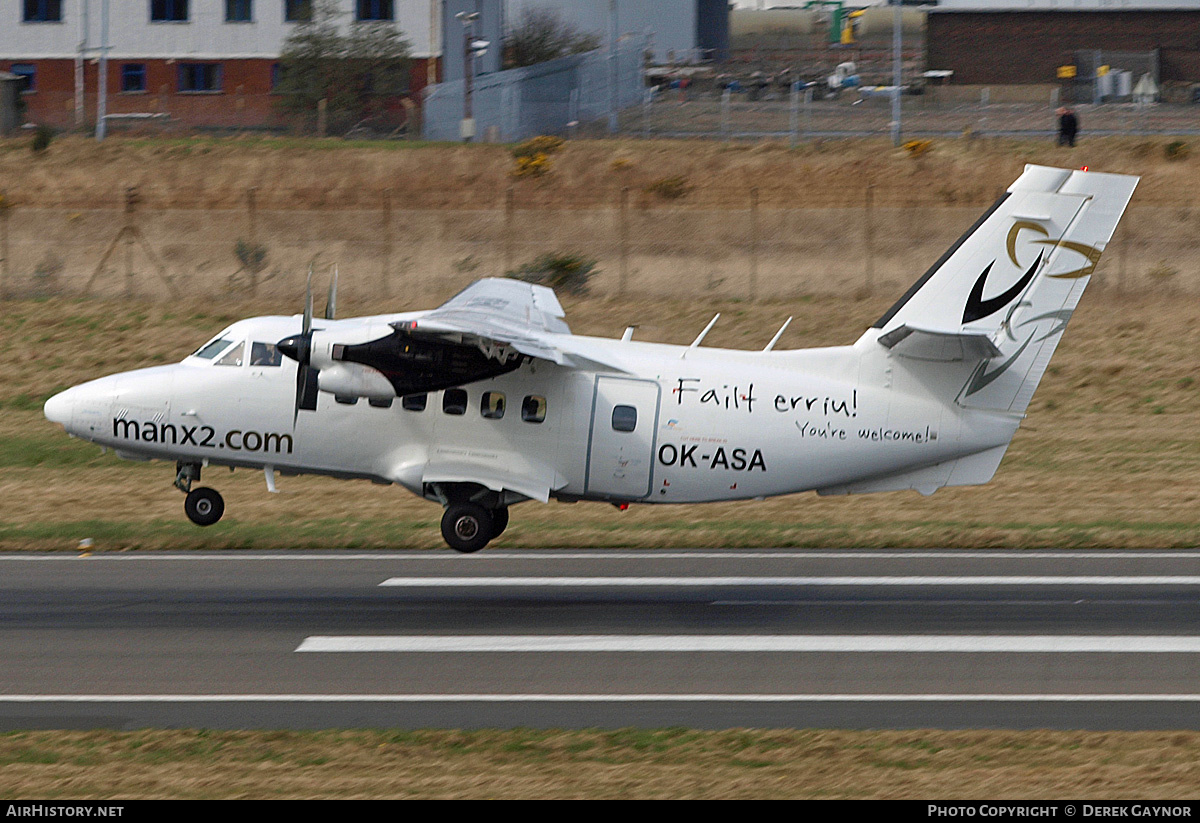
(563,271)
(1176,150)
(41,139)
(544,144)
(916,148)
(532,165)
(669,188)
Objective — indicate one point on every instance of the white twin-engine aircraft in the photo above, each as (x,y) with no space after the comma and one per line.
(489,400)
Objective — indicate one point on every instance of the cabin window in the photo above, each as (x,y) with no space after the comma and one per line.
(211,349)
(346,399)
(233,357)
(265,354)
(624,418)
(454,401)
(533,409)
(491,405)
(414,402)
(380,402)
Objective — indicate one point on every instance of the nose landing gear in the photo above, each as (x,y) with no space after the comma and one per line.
(203,506)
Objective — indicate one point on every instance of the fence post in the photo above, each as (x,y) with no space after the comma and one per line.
(646,96)
(5,208)
(509,218)
(385,272)
(726,97)
(623,226)
(252,219)
(808,98)
(794,115)
(869,236)
(753,243)
(322,116)
(131,201)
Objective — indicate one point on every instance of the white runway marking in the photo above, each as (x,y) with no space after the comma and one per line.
(830,580)
(601,698)
(1002,644)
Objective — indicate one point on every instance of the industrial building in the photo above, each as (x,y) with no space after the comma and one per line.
(1073,42)
(215,63)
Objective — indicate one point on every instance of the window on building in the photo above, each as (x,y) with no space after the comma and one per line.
(199,77)
(297,11)
(28,74)
(239,11)
(624,418)
(372,10)
(168,11)
(42,11)
(533,409)
(414,402)
(454,401)
(133,78)
(491,405)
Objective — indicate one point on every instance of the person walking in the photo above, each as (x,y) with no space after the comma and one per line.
(1068,126)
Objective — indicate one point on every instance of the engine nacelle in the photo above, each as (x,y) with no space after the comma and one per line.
(354,380)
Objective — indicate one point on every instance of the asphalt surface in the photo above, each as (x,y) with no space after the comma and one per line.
(707,639)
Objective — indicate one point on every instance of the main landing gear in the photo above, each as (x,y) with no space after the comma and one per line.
(203,506)
(468,527)
(473,518)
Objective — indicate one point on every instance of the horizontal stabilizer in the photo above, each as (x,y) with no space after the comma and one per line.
(928,344)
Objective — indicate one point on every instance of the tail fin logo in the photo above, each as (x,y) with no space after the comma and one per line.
(1090,253)
(977,308)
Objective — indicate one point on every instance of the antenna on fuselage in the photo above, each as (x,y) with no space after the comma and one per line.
(700,337)
(778,334)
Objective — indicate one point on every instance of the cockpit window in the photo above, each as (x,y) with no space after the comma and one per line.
(265,354)
(211,349)
(234,356)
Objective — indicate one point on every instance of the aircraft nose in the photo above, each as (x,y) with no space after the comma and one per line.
(58,408)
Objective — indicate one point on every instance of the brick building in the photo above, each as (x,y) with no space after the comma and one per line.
(199,62)
(996,42)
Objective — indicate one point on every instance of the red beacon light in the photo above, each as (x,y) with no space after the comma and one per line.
(1083,168)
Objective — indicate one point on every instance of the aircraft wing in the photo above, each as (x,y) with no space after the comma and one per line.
(502,317)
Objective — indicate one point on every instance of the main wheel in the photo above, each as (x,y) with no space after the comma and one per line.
(467,527)
(499,521)
(204,506)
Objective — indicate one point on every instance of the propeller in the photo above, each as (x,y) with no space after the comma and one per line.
(299,348)
(331,299)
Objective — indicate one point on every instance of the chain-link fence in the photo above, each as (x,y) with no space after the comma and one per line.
(798,115)
(775,245)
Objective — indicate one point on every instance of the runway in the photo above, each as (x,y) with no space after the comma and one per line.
(706,639)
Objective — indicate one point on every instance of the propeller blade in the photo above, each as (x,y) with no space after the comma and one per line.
(306,388)
(331,300)
(308,303)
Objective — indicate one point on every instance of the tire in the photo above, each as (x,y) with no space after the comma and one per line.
(204,506)
(499,521)
(467,527)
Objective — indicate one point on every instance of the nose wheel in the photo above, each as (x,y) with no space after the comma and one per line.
(204,506)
